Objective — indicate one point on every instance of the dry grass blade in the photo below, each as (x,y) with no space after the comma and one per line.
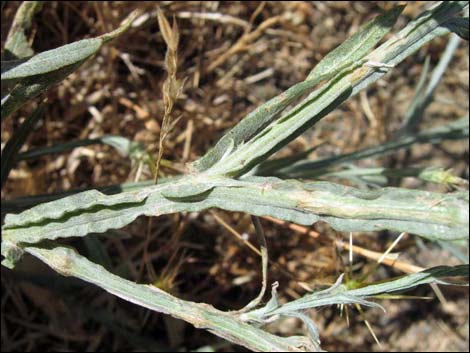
(246,40)
(369,254)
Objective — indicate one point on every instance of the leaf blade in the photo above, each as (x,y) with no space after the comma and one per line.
(350,51)
(12,147)
(431,215)
(30,78)
(359,44)
(16,44)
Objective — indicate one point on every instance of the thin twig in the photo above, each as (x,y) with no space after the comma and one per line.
(373,255)
(234,232)
(244,42)
(264,265)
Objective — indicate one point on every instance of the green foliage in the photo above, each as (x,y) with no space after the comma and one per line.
(16,44)
(347,54)
(455,130)
(10,152)
(431,215)
(28,78)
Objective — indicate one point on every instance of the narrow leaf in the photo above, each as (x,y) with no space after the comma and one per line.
(347,82)
(359,44)
(32,77)
(429,174)
(431,215)
(431,275)
(124,146)
(97,251)
(68,263)
(54,59)
(348,53)
(9,153)
(16,44)
(90,201)
(424,96)
(428,25)
(455,130)
(24,202)
(30,87)
(459,26)
(339,294)
(417,106)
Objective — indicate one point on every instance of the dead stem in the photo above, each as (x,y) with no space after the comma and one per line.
(171,90)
